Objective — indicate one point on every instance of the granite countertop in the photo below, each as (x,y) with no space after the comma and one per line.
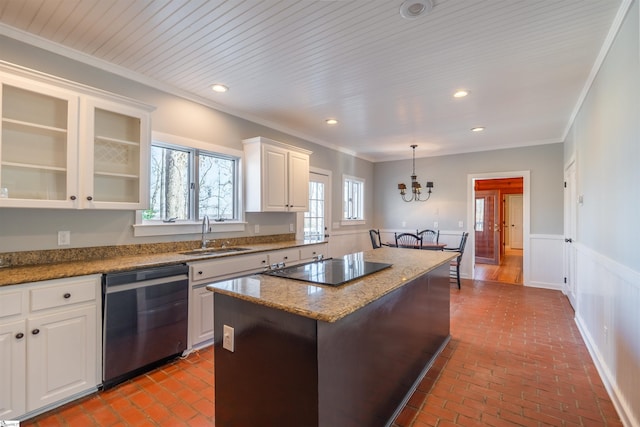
(57,270)
(327,303)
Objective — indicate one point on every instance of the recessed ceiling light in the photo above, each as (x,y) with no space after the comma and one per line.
(219,88)
(461,93)
(411,9)
(331,121)
(477,129)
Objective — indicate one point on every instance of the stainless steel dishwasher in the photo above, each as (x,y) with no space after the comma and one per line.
(145,318)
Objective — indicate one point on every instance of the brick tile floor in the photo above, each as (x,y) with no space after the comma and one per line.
(515,359)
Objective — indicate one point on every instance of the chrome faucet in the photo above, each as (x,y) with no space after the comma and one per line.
(206,227)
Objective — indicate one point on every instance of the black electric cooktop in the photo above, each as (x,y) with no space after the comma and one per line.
(331,271)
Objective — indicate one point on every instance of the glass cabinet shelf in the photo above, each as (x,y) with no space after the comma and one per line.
(31,125)
(100,138)
(32,166)
(118,175)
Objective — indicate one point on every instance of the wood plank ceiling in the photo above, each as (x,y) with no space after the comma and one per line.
(389,81)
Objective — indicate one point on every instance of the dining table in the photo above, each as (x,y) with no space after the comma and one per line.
(429,246)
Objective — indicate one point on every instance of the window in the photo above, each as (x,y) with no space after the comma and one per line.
(314,217)
(189,179)
(353,199)
(188,183)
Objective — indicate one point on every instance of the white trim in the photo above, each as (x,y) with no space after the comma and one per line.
(194,143)
(469,267)
(349,222)
(615,288)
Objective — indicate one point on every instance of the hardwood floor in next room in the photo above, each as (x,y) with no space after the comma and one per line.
(509,271)
(516,358)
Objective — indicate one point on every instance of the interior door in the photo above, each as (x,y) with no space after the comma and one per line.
(487,227)
(515,221)
(570,200)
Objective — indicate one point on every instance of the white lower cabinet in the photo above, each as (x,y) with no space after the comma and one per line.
(201,273)
(12,369)
(201,316)
(49,344)
(314,252)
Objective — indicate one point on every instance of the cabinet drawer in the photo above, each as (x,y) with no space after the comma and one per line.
(224,267)
(10,304)
(66,292)
(287,256)
(310,252)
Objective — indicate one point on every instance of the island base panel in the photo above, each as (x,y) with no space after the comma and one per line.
(369,361)
(355,372)
(271,378)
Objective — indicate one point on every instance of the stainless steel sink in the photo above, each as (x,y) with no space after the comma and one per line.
(214,251)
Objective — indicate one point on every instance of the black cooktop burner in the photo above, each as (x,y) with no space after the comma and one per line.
(331,271)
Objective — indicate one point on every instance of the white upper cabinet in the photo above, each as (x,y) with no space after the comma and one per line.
(277,176)
(38,145)
(114,161)
(63,146)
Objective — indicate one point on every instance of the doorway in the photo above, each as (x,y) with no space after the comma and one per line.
(313,224)
(498,208)
(498,202)
(487,227)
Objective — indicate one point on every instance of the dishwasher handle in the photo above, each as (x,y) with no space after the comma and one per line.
(113,289)
(143,274)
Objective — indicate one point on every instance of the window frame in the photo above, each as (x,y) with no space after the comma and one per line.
(359,219)
(157,227)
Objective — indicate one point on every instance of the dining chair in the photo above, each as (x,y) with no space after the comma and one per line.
(375,239)
(454,265)
(429,236)
(408,240)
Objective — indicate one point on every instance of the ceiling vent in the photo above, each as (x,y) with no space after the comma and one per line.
(411,9)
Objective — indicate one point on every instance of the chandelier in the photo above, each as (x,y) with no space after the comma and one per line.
(416,194)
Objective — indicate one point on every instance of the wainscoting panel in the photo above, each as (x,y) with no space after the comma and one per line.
(347,242)
(545,261)
(608,316)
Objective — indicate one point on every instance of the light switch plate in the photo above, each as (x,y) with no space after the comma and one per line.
(64,238)
(228,340)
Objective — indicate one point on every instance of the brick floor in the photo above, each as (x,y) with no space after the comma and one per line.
(515,359)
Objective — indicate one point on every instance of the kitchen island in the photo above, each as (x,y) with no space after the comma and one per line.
(315,355)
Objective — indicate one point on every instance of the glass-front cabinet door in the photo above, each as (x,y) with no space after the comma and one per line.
(65,149)
(38,145)
(115,156)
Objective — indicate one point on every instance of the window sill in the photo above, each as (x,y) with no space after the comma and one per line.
(167,229)
(346,222)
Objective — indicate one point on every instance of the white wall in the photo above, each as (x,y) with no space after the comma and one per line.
(605,141)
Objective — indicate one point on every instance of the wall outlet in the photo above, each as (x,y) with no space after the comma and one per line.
(228,339)
(435,224)
(460,224)
(404,224)
(64,238)
(292,228)
(256,228)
